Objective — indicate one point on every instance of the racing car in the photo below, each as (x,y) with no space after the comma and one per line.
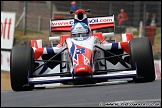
(82,56)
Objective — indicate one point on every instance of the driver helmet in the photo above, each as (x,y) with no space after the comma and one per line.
(80,29)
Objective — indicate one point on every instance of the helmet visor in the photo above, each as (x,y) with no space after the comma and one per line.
(81,35)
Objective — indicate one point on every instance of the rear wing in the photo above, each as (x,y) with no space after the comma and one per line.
(94,23)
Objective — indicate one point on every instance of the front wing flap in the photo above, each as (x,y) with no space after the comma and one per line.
(58,79)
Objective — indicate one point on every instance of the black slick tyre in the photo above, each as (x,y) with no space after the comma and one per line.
(21,67)
(141,55)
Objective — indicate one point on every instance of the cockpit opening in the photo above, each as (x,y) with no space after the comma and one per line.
(80,15)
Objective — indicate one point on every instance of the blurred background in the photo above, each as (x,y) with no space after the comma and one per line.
(38,13)
(33,17)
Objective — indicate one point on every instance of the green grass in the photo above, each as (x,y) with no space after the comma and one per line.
(136,34)
(34,35)
(28,31)
(19,34)
(158,30)
(30,34)
(157,36)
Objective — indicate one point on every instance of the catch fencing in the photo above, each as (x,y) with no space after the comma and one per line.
(35,15)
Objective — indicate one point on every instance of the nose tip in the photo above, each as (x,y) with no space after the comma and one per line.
(82,69)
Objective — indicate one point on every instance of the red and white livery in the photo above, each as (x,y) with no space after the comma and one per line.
(82,60)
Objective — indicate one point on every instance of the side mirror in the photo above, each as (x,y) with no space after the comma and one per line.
(71,12)
(88,10)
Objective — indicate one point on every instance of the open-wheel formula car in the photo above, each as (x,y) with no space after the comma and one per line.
(82,56)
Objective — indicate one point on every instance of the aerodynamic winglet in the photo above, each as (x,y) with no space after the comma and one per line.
(56,79)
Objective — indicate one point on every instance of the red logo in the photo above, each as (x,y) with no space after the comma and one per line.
(5,28)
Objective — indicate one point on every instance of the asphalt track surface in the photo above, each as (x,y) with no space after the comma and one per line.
(118,94)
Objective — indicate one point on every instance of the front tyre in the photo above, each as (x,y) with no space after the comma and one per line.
(21,67)
(141,55)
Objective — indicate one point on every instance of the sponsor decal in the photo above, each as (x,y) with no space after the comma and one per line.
(7,29)
(90,20)
(157,64)
(5,60)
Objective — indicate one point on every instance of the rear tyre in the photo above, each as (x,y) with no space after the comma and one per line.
(21,67)
(141,55)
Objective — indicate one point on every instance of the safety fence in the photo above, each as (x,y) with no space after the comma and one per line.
(35,15)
